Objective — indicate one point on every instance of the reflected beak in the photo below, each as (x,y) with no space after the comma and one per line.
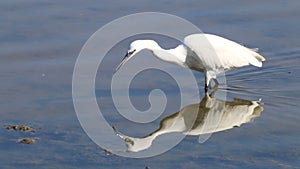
(118,134)
(126,57)
(125,138)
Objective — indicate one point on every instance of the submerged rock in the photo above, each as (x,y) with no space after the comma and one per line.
(27,140)
(20,127)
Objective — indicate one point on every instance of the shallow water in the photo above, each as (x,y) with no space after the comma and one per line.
(39,44)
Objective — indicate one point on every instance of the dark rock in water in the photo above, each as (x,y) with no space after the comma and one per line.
(20,127)
(27,140)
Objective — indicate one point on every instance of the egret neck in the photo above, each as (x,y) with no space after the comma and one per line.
(176,56)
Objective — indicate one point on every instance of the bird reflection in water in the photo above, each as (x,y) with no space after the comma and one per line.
(209,116)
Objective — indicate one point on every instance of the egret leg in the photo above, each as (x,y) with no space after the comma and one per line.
(216,84)
(212,94)
(207,79)
(206,88)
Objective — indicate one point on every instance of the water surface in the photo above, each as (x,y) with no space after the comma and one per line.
(39,43)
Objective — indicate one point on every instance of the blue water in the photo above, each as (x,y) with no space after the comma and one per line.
(39,44)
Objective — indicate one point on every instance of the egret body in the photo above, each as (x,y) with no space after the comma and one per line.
(209,116)
(206,53)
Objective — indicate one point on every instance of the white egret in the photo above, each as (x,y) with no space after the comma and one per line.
(209,116)
(206,53)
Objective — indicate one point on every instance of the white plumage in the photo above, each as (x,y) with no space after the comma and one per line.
(209,116)
(206,53)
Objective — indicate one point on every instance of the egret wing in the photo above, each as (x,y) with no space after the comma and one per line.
(217,53)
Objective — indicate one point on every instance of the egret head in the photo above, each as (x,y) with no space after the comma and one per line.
(135,47)
(135,144)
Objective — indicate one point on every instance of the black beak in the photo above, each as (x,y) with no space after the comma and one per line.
(122,62)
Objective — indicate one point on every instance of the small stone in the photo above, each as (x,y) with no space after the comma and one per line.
(20,127)
(27,140)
